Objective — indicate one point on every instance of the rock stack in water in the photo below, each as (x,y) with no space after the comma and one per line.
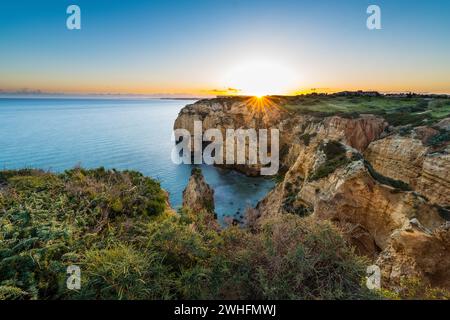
(198,195)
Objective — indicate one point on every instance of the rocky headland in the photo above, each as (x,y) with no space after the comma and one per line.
(376,166)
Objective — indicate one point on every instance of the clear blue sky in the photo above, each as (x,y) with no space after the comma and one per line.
(190,46)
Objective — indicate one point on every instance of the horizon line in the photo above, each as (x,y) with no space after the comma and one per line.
(188,96)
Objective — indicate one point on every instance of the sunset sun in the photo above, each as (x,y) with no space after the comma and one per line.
(261,78)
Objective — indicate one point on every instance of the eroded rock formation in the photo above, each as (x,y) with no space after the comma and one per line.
(409,160)
(415,253)
(198,195)
(387,191)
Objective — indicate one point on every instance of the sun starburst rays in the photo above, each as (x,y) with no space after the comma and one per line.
(262,107)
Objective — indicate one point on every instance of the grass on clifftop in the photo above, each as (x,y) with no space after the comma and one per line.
(116,227)
(415,110)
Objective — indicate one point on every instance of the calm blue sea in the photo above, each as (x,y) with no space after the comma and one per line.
(57,134)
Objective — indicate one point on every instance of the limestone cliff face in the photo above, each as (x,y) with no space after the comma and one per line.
(198,195)
(409,160)
(373,216)
(296,130)
(225,113)
(357,133)
(350,196)
(386,191)
(419,254)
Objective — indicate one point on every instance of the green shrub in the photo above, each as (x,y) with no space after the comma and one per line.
(196,171)
(415,289)
(306,138)
(442,138)
(336,157)
(295,258)
(115,227)
(407,118)
(11,293)
(48,221)
(122,272)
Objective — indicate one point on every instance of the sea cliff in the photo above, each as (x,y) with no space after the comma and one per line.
(375,166)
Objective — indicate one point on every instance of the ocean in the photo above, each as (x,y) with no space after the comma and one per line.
(56,134)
